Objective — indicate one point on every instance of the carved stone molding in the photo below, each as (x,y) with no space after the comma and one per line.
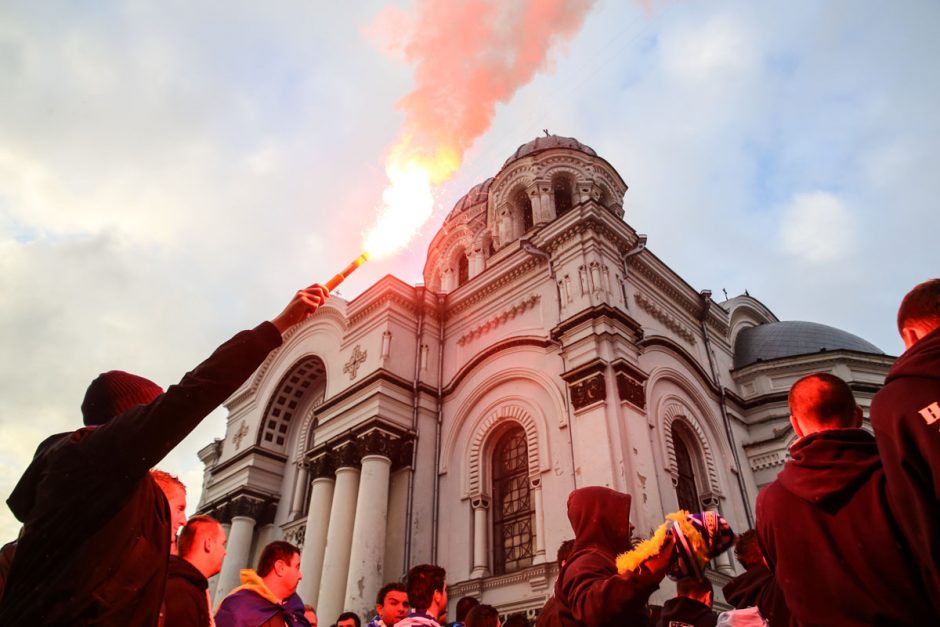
(349,455)
(323,466)
(668,321)
(355,360)
(261,510)
(296,532)
(499,319)
(631,390)
(588,391)
(377,443)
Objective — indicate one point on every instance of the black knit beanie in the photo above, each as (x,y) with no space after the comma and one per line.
(113,393)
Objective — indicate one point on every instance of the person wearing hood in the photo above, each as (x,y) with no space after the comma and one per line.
(267,597)
(905,416)
(201,551)
(589,590)
(825,526)
(96,539)
(756,586)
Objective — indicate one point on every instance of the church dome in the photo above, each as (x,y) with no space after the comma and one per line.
(477,195)
(548,142)
(778,340)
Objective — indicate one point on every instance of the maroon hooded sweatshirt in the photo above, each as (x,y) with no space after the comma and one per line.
(756,587)
(905,416)
(589,590)
(831,540)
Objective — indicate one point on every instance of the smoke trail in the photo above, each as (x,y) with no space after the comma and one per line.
(469,55)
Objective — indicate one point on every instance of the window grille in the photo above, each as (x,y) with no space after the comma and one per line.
(513,512)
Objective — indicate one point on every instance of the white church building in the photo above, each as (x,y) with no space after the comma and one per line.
(548,349)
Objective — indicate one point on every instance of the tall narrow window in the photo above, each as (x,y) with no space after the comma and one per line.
(561,187)
(513,511)
(524,204)
(686,488)
(463,269)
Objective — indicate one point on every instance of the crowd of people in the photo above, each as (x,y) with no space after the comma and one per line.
(848,533)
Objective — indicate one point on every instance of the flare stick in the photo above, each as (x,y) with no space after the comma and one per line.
(339,278)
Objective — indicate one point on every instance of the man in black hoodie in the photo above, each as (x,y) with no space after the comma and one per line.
(905,416)
(756,587)
(825,526)
(96,538)
(201,551)
(589,590)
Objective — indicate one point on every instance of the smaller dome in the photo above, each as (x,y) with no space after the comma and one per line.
(778,340)
(548,142)
(477,194)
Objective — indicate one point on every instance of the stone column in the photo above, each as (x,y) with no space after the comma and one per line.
(338,540)
(300,489)
(238,547)
(367,559)
(318,523)
(480,552)
(535,489)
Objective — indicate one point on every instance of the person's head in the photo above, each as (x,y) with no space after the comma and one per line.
(564,551)
(426,588)
(464,605)
(279,567)
(202,544)
(516,620)
(113,393)
(348,619)
(175,493)
(311,615)
(747,549)
(483,616)
(697,589)
(391,603)
(820,402)
(919,313)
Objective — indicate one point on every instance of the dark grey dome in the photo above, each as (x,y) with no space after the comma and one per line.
(477,194)
(777,340)
(547,142)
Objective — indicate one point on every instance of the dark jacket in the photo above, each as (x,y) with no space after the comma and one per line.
(685,612)
(756,587)
(186,602)
(831,540)
(905,416)
(589,590)
(96,540)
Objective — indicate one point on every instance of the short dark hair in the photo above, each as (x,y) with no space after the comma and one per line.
(395,586)
(464,605)
(747,549)
(482,616)
(823,399)
(422,581)
(921,305)
(347,616)
(273,553)
(564,551)
(517,620)
(692,586)
(192,530)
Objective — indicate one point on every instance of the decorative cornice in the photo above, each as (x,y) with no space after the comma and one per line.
(380,375)
(768,460)
(598,311)
(474,587)
(668,321)
(487,289)
(253,451)
(489,352)
(691,305)
(387,297)
(499,319)
(589,222)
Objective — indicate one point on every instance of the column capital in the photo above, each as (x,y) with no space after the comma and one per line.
(323,466)
(480,502)
(349,455)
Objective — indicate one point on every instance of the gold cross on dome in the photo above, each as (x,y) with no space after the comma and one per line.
(352,366)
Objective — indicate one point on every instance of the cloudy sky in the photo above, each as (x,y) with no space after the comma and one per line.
(170,172)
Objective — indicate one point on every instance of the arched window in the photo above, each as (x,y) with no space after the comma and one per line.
(686,486)
(561,187)
(524,204)
(513,510)
(291,395)
(463,269)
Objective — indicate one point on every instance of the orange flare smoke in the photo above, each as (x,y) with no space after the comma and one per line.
(469,55)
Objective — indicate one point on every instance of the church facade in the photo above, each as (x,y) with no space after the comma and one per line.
(548,349)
